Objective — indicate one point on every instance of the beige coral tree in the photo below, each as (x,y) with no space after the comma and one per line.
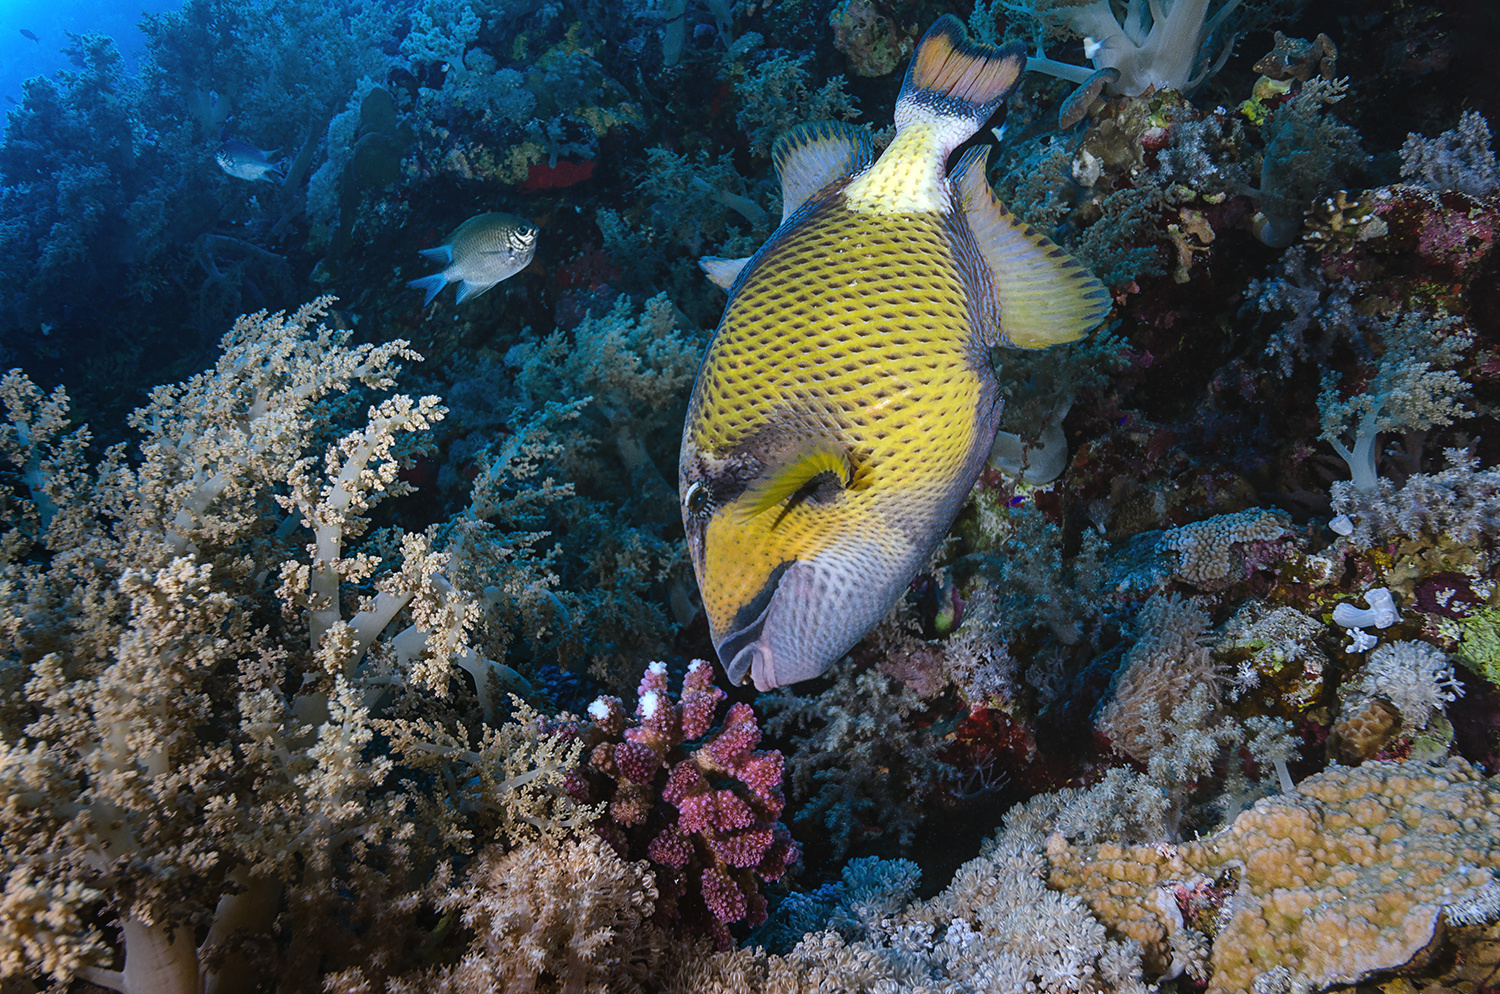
(178,766)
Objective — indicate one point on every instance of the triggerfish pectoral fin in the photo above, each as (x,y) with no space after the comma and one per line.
(1046,296)
(813,459)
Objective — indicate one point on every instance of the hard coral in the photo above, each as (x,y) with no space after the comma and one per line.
(1216,551)
(726,793)
(1351,874)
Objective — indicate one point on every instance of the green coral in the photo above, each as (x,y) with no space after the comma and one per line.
(1479,649)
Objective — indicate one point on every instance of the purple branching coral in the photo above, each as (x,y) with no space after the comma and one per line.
(724,834)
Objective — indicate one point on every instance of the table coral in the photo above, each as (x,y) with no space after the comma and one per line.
(1352,874)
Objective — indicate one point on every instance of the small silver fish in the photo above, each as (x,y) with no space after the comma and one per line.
(247,162)
(484,250)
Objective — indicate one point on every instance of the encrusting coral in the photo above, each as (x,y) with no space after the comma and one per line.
(1353,873)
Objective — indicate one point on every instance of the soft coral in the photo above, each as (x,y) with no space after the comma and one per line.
(1152,43)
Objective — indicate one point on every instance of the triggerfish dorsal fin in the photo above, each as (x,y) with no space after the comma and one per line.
(722,272)
(802,466)
(952,87)
(811,156)
(1046,296)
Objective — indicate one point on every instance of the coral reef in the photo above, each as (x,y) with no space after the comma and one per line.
(313,681)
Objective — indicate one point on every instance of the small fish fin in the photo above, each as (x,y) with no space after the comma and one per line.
(954,79)
(443,254)
(810,156)
(429,284)
(722,272)
(807,461)
(1046,296)
(467,289)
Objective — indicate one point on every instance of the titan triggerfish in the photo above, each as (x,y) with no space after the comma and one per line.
(847,400)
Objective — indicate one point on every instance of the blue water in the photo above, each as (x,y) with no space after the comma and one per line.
(21,58)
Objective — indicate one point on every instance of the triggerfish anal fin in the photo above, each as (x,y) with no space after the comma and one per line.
(1046,296)
(722,272)
(811,156)
(804,464)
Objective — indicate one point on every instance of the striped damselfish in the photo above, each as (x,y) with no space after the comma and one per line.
(847,400)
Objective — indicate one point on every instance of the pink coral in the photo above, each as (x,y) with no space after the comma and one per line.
(705,815)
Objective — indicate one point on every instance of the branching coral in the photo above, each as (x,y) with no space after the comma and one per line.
(1308,153)
(1462,501)
(1162,44)
(869,771)
(724,834)
(1460,159)
(778,94)
(1414,676)
(626,375)
(566,915)
(204,748)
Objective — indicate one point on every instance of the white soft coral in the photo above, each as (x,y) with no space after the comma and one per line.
(1151,43)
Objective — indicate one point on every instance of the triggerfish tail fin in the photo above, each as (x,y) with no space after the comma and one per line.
(955,80)
(430,285)
(798,473)
(811,156)
(1046,296)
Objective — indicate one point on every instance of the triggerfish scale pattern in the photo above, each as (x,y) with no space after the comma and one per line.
(846,403)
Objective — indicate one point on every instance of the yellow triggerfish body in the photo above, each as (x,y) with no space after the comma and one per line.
(847,401)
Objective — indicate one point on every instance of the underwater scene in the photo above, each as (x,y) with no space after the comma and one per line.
(751,496)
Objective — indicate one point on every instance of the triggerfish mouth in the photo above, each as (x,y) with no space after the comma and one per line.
(847,401)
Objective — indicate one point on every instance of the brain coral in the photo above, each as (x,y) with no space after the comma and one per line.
(1351,874)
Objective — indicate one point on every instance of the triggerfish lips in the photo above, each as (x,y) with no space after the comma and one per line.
(814,612)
